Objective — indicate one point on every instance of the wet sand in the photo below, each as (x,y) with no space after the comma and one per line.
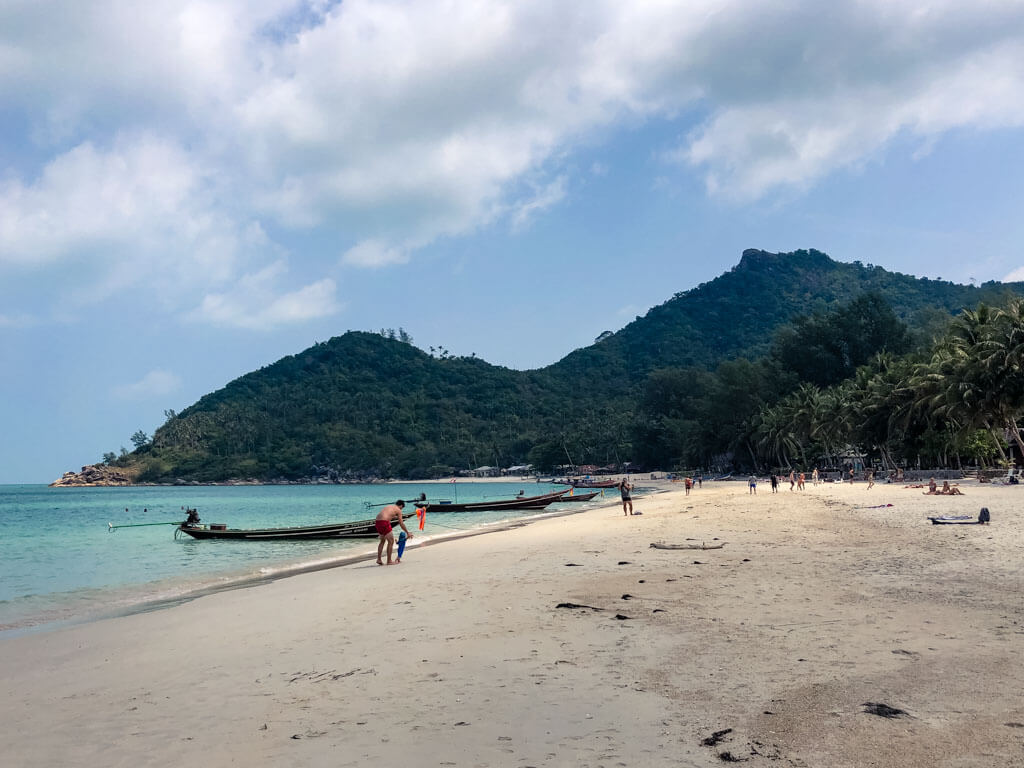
(768,649)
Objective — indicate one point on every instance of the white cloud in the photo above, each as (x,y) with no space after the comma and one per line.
(164,139)
(374,253)
(139,215)
(156,383)
(542,199)
(865,74)
(255,303)
(1015,276)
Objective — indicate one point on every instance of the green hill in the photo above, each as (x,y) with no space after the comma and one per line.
(736,314)
(365,405)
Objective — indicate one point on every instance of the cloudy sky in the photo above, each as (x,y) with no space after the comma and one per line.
(192,190)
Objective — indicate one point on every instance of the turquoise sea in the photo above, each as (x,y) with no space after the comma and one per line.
(59,561)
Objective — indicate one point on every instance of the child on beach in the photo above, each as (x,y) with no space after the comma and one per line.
(753,485)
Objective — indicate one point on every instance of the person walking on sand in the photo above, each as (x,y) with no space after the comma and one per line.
(627,500)
(774,480)
(383,525)
(753,485)
(871,480)
(792,479)
(801,481)
(814,477)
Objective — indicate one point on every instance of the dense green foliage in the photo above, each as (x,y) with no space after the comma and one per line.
(688,384)
(826,349)
(960,400)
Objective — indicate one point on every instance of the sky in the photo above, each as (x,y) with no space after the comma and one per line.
(192,190)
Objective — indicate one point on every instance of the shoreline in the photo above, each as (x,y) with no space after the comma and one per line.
(569,641)
(134,599)
(65,482)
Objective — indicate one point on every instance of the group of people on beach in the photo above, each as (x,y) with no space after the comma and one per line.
(946,490)
(797,481)
(392,513)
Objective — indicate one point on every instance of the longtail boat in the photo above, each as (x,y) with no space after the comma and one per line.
(358,529)
(519,502)
(595,483)
(578,497)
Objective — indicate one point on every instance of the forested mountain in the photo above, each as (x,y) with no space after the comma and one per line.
(736,314)
(363,404)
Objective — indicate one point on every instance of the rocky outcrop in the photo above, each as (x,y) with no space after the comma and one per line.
(94,474)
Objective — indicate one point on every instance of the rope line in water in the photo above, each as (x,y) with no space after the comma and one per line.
(442,525)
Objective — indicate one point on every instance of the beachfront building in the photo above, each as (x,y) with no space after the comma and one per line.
(519,470)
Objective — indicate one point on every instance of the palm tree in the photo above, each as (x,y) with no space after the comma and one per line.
(1001,354)
(956,385)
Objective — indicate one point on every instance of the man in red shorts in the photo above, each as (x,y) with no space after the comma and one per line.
(383,524)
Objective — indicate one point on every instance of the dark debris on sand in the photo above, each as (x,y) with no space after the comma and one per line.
(716,737)
(577,605)
(884,710)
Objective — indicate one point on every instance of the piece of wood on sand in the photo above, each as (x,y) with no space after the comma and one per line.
(702,545)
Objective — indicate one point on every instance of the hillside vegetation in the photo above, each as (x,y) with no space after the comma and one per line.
(681,385)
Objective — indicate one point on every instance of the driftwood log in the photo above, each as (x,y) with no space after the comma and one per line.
(702,545)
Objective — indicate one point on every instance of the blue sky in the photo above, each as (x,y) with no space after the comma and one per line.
(192,190)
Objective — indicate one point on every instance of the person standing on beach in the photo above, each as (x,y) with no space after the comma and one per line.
(792,479)
(752,482)
(383,525)
(871,480)
(688,484)
(814,477)
(627,500)
(801,480)
(774,479)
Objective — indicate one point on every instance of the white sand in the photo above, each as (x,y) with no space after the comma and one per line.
(459,656)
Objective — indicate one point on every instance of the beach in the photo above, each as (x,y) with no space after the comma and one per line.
(571,642)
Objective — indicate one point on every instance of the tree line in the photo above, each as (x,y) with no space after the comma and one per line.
(851,383)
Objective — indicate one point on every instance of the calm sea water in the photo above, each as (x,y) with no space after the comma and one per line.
(59,562)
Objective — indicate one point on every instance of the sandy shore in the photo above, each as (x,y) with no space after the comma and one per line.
(460,656)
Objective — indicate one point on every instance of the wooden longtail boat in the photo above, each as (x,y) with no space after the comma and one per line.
(578,497)
(519,502)
(358,529)
(595,483)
